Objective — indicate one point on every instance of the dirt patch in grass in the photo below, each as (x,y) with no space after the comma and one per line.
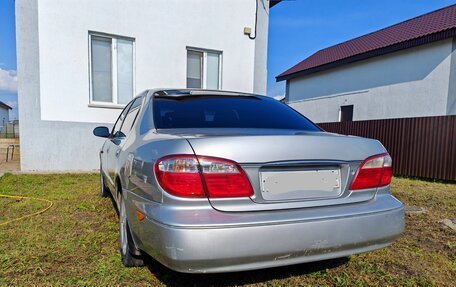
(76,243)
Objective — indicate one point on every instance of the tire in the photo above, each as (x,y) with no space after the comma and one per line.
(127,246)
(104,192)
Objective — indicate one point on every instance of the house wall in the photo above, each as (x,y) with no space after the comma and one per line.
(451,103)
(4,114)
(261,49)
(409,83)
(53,64)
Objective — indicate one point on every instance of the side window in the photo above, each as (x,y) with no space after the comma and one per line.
(120,119)
(130,118)
(148,120)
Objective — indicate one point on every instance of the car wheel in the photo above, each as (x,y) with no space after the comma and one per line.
(104,192)
(126,240)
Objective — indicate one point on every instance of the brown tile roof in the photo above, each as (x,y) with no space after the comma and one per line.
(430,27)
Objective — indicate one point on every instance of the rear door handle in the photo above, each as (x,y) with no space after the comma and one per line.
(117,152)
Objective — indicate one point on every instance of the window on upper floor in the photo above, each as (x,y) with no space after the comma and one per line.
(111,69)
(203,69)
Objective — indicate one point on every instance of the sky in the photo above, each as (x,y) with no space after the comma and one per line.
(297,29)
(8,78)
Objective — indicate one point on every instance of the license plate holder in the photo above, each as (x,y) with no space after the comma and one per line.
(300,184)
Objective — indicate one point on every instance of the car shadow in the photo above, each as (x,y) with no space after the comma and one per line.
(173,278)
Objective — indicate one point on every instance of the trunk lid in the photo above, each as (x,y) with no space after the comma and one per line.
(287,168)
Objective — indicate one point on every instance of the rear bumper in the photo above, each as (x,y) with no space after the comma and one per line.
(229,248)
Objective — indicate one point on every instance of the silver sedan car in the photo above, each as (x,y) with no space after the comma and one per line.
(211,181)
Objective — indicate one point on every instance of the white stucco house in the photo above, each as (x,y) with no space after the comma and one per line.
(80,61)
(4,115)
(405,70)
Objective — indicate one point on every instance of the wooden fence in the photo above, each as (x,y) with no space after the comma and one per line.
(420,147)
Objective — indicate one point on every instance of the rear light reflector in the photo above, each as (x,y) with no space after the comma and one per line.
(224,178)
(179,175)
(375,171)
(191,176)
(140,215)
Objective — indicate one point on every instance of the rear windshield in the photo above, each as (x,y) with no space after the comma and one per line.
(227,112)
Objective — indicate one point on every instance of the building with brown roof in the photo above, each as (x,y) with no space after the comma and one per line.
(405,70)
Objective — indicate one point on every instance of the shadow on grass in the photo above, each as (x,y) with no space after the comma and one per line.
(173,278)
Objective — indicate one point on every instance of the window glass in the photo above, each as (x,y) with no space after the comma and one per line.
(101,69)
(130,117)
(194,69)
(213,71)
(117,126)
(227,112)
(147,122)
(124,71)
(112,73)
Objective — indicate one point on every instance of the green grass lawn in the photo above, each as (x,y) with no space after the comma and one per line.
(76,243)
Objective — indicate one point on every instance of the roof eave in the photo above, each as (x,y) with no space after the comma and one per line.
(374,53)
(2,104)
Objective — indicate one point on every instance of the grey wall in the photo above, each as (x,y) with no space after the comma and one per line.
(56,115)
(261,50)
(45,143)
(409,83)
(160,49)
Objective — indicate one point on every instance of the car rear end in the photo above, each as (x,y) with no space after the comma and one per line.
(247,193)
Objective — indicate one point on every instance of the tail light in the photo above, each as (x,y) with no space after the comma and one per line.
(179,175)
(375,171)
(191,176)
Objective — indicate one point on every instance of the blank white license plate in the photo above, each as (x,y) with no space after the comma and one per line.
(302,184)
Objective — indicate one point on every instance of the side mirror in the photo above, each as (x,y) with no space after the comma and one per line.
(102,132)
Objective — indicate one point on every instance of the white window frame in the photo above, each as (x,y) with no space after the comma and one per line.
(204,65)
(114,96)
